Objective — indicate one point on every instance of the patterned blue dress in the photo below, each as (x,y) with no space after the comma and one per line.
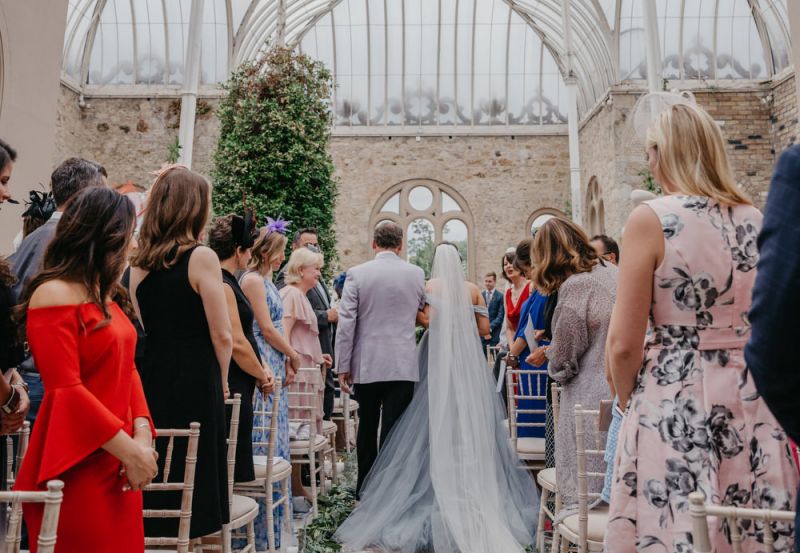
(276,361)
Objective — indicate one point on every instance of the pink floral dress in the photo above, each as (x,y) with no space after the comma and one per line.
(696,421)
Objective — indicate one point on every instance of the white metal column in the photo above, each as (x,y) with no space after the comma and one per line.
(653,47)
(571,81)
(191,83)
(794,32)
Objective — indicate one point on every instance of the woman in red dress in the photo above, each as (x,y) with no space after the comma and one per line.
(93,430)
(516,294)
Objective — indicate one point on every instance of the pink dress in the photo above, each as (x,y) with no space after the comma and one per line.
(696,421)
(304,338)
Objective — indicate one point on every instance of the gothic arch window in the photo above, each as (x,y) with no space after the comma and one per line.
(428,211)
(595,218)
(540,217)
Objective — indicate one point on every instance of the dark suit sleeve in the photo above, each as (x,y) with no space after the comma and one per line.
(497,321)
(319,309)
(26,262)
(775,314)
(280,278)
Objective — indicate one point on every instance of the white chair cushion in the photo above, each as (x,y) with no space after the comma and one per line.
(338,407)
(241,506)
(596,529)
(547,479)
(328,428)
(531,446)
(279,470)
(298,447)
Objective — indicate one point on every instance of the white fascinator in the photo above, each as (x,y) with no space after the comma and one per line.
(649,107)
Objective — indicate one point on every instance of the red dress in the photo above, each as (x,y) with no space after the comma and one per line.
(513,311)
(91,391)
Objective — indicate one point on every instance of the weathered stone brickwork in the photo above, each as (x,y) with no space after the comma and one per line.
(784,114)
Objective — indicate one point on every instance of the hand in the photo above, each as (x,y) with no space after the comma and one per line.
(13,422)
(290,374)
(345,381)
(512,361)
(226,391)
(538,357)
(333,315)
(538,335)
(328,360)
(487,337)
(139,467)
(267,382)
(293,361)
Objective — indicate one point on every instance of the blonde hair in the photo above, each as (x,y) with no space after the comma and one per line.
(560,249)
(177,210)
(691,154)
(267,248)
(301,257)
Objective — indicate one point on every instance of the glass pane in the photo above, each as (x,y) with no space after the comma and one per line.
(421,244)
(420,198)
(449,204)
(539,221)
(455,231)
(392,205)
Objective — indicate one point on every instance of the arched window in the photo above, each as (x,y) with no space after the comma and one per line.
(540,217)
(429,212)
(595,218)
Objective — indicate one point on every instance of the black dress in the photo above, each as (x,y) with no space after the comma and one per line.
(240,382)
(182,384)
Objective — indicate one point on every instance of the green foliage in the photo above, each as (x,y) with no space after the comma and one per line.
(421,246)
(273,148)
(649,182)
(334,508)
(174,151)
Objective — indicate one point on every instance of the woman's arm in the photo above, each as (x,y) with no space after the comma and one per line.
(570,340)
(13,422)
(644,249)
(254,289)
(243,352)
(205,276)
(482,320)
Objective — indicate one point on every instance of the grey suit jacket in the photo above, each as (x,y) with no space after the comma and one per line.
(27,260)
(376,335)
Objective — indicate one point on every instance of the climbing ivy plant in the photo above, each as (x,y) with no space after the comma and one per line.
(272,152)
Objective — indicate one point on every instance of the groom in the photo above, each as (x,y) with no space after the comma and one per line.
(375,340)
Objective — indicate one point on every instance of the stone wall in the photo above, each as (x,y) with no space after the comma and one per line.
(131,137)
(754,131)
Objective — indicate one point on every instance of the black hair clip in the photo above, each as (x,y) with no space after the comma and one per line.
(40,206)
(244,229)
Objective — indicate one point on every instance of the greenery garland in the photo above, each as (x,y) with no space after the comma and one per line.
(272,153)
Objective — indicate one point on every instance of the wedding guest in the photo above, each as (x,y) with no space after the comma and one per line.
(516,294)
(564,260)
(327,315)
(694,420)
(775,294)
(177,289)
(300,325)
(494,301)
(69,178)
(14,400)
(606,248)
(232,237)
(274,348)
(94,431)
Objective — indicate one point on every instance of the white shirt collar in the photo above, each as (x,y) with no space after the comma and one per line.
(385,254)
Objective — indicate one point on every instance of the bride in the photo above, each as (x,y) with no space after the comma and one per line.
(447,479)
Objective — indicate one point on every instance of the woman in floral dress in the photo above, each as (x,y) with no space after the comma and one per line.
(274,349)
(695,421)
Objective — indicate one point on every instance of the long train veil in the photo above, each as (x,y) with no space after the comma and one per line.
(447,477)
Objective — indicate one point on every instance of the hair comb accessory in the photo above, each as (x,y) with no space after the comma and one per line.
(40,206)
(277,225)
(650,106)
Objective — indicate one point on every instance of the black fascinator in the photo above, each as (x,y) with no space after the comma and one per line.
(244,229)
(40,206)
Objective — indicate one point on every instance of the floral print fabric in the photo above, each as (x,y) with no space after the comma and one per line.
(696,421)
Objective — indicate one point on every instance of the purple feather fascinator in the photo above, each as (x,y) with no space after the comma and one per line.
(277,225)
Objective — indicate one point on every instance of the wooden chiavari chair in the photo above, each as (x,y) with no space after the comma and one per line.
(52,499)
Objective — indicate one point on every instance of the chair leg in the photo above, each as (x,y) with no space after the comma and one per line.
(286,531)
(540,525)
(564,546)
(226,538)
(333,459)
(251,536)
(556,534)
(312,458)
(270,518)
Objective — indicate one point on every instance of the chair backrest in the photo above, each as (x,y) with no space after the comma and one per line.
(267,420)
(584,418)
(181,542)
(772,524)
(526,386)
(52,499)
(304,400)
(491,355)
(233,435)
(19,440)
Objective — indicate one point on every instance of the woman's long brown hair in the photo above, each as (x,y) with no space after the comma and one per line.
(560,249)
(89,247)
(178,207)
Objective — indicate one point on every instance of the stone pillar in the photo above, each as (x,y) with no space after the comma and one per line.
(31,65)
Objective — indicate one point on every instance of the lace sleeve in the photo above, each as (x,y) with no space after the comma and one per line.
(570,340)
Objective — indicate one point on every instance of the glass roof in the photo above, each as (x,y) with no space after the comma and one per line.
(431,62)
